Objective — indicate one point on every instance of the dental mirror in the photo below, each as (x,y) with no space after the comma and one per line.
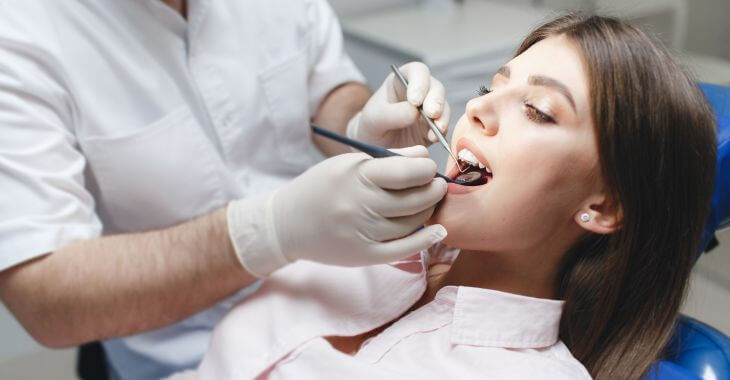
(471,178)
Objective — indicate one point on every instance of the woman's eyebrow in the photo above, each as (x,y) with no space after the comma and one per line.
(504,70)
(539,80)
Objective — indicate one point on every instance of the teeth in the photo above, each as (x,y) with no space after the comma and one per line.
(467,156)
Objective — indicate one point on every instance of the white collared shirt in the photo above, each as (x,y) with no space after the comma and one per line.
(464,333)
(121,116)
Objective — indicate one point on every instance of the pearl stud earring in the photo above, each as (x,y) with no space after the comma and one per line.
(584,217)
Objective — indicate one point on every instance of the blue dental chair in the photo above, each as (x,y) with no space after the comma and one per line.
(698,351)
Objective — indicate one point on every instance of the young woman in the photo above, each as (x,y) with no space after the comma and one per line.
(572,259)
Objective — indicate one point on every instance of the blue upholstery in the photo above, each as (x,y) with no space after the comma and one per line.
(719,98)
(698,351)
(699,348)
(664,370)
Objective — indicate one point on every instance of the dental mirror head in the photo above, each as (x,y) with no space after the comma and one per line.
(474,172)
(472,178)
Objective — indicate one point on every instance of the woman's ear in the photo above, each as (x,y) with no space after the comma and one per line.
(599,215)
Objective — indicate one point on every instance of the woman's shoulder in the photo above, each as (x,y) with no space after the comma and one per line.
(554,362)
(560,362)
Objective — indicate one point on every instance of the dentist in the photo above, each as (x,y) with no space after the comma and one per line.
(155,162)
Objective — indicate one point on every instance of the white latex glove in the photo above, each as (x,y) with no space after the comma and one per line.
(348,210)
(390,118)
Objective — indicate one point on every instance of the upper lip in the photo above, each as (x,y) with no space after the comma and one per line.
(464,143)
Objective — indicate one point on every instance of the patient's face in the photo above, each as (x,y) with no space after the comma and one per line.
(534,131)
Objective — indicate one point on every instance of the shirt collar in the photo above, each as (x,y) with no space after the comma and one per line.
(486,317)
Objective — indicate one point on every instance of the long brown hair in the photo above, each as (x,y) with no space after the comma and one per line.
(656,145)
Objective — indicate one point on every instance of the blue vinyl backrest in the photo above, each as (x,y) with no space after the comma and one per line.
(666,370)
(719,98)
(699,349)
(696,349)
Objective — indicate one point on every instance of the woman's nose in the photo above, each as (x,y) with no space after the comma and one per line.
(482,115)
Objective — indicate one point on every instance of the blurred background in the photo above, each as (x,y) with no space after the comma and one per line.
(464,42)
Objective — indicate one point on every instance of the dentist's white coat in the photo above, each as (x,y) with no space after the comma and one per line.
(120,116)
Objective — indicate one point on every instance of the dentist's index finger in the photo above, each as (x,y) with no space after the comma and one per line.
(402,203)
(412,151)
(418,76)
(433,103)
(442,123)
(398,172)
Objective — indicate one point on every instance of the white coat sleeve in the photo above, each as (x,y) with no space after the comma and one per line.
(329,64)
(43,200)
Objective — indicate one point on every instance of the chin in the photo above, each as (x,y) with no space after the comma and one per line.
(453,220)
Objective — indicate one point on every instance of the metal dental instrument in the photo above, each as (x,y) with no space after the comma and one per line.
(429,121)
(372,150)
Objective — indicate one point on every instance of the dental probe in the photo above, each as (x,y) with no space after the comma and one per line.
(429,121)
(373,150)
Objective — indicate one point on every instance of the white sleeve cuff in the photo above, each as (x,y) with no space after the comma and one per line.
(253,235)
(19,248)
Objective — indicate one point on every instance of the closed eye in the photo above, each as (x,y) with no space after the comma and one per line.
(537,116)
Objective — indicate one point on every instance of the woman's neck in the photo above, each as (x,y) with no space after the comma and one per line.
(529,275)
(533,275)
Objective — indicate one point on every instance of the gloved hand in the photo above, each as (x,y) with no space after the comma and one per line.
(348,210)
(390,118)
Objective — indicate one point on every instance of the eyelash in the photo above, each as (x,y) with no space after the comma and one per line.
(537,116)
(531,112)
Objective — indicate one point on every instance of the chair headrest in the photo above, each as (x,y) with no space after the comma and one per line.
(719,98)
(700,349)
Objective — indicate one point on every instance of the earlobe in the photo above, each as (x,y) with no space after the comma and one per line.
(599,216)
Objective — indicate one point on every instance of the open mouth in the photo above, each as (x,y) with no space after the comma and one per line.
(476,169)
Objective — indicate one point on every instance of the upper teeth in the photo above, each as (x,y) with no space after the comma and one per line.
(467,156)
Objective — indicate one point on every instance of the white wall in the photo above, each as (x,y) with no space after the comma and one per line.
(14,341)
(709,27)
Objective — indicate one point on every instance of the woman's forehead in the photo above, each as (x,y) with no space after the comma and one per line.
(558,59)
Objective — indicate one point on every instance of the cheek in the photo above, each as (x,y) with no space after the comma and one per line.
(543,161)
(550,184)
(532,199)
